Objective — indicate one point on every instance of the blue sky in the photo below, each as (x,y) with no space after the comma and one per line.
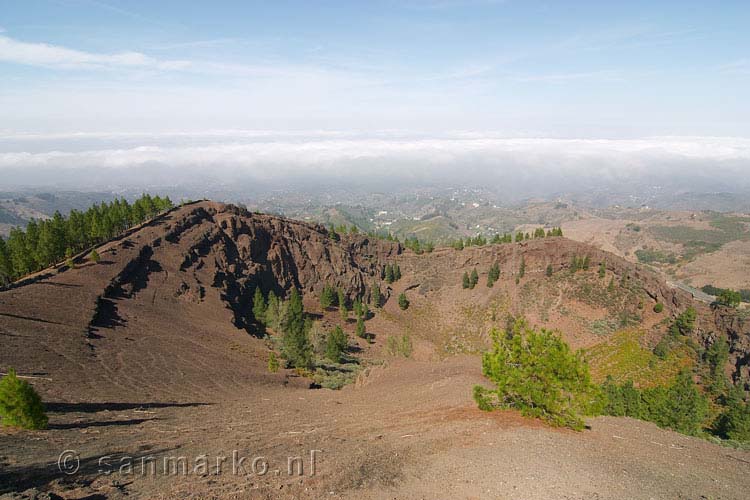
(417,89)
(560,69)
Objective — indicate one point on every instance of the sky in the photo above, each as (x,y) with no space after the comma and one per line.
(436,83)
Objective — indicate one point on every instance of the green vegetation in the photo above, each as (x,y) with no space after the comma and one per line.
(493,274)
(535,372)
(465,281)
(328,297)
(679,406)
(46,242)
(392,272)
(94,256)
(259,306)
(296,346)
(712,290)
(419,247)
(360,329)
(729,298)
(273,363)
(20,405)
(548,271)
(474,278)
(522,268)
(658,307)
(578,263)
(399,346)
(650,256)
(602,269)
(734,422)
(725,228)
(377,296)
(403,302)
(336,344)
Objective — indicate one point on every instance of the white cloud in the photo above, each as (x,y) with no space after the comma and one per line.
(274,157)
(47,55)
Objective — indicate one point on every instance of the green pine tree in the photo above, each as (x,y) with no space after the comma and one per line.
(336,343)
(403,302)
(259,306)
(297,349)
(474,278)
(376,295)
(389,273)
(20,405)
(360,329)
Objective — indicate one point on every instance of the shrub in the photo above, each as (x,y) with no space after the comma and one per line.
(273,363)
(680,406)
(734,422)
(403,302)
(402,346)
(729,298)
(20,405)
(535,372)
(658,307)
(94,256)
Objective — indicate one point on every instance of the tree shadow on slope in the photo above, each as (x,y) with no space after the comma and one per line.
(23,477)
(61,407)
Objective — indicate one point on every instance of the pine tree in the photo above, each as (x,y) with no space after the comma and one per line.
(602,269)
(297,349)
(396,272)
(20,405)
(340,298)
(336,343)
(273,311)
(522,268)
(466,282)
(389,273)
(6,266)
(360,330)
(357,307)
(536,372)
(548,272)
(376,295)
(94,256)
(326,297)
(493,274)
(474,278)
(259,306)
(403,302)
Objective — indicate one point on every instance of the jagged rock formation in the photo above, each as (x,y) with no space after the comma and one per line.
(170,300)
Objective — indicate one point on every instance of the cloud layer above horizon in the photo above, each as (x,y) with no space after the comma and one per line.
(281,159)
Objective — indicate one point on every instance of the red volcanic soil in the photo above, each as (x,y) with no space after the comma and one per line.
(151,355)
